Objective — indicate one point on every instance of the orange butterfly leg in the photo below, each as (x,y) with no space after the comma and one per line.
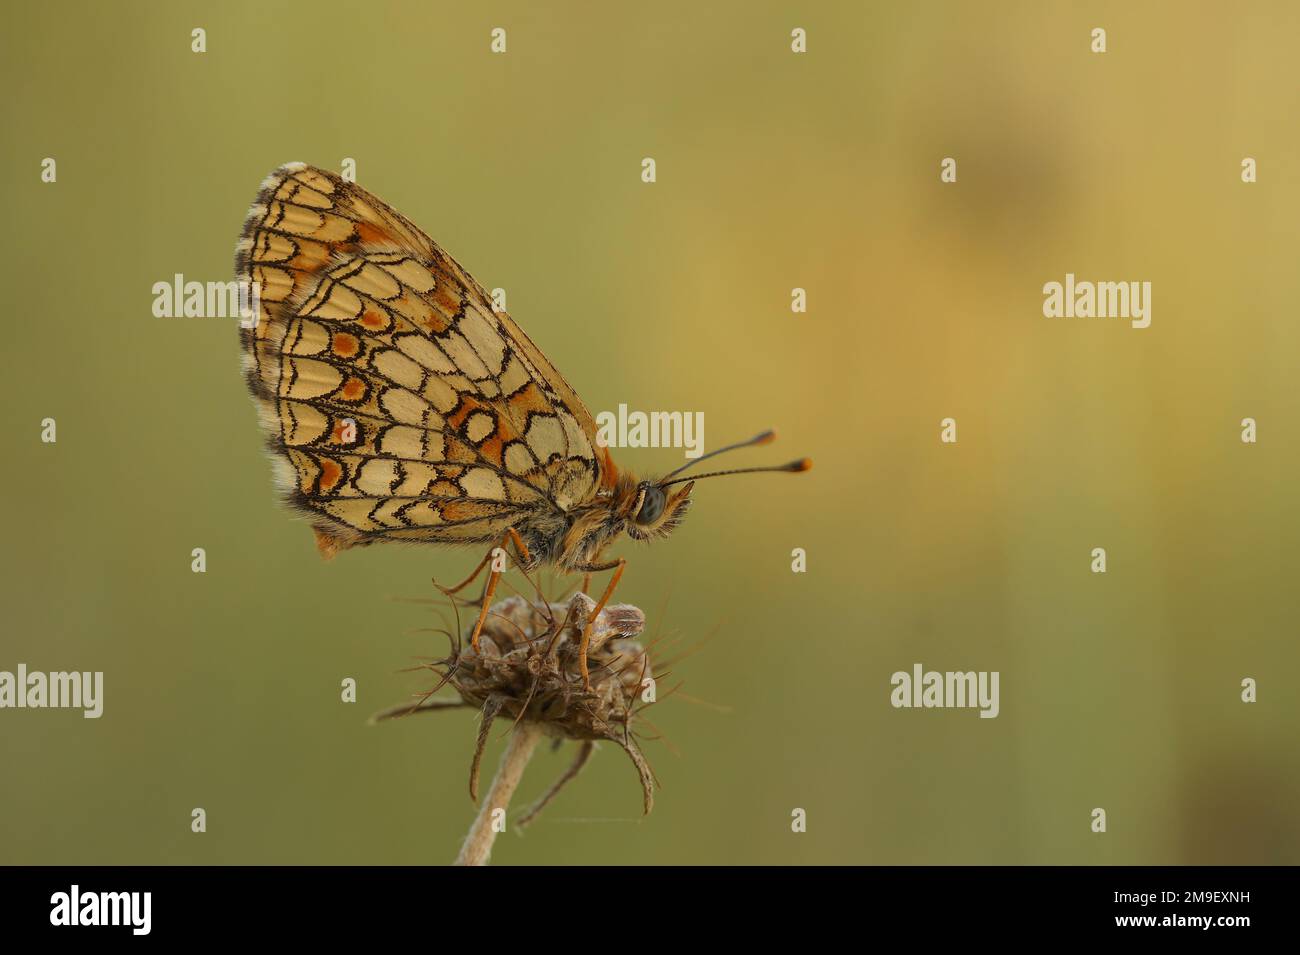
(618,566)
(524,556)
(490,588)
(486,604)
(452,591)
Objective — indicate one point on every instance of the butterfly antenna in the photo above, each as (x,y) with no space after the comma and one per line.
(803,464)
(767,437)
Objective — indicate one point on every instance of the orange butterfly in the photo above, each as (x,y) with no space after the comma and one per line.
(401,406)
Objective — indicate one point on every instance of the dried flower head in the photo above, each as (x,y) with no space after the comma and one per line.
(526,669)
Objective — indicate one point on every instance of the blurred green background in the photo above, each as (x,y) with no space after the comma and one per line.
(775,170)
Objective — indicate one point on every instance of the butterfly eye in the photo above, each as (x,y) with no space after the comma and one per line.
(652,506)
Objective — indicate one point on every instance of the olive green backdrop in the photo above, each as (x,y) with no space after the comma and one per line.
(775,170)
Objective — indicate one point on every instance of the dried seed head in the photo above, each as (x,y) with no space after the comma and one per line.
(527,663)
(526,669)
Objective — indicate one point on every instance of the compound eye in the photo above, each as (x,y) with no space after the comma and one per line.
(652,508)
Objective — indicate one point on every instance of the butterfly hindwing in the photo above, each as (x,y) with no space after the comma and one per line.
(398,403)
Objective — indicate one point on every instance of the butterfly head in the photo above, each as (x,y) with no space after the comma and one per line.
(651,509)
(644,510)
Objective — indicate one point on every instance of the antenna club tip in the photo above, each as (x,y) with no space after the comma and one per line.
(803,464)
(767,437)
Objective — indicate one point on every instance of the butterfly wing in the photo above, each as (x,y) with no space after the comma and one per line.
(398,403)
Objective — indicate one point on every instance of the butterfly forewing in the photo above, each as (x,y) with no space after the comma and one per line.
(402,405)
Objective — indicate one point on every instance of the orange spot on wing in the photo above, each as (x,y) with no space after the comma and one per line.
(330,473)
(445,298)
(432,322)
(468,405)
(462,511)
(354,389)
(345,345)
(529,398)
(372,320)
(373,234)
(491,449)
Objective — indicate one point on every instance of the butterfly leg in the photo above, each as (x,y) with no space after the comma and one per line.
(523,557)
(617,566)
(452,591)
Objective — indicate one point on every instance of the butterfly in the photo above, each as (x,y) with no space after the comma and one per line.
(400,405)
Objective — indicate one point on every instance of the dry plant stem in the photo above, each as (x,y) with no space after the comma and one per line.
(478,842)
